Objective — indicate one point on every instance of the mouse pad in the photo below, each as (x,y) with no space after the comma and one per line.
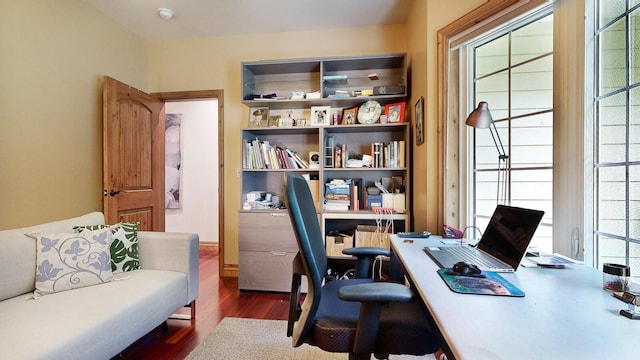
(492,284)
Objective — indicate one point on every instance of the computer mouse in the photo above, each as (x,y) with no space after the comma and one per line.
(463,268)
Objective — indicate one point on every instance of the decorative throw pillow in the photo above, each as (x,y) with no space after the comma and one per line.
(124,245)
(70,261)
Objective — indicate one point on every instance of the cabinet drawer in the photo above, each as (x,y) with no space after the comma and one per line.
(266,271)
(266,232)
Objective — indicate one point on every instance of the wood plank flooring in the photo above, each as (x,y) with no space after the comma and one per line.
(218,298)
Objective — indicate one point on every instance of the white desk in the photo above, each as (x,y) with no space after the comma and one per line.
(565,313)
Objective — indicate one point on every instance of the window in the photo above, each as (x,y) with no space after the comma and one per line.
(617,133)
(512,70)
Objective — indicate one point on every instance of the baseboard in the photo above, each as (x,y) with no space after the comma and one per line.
(209,245)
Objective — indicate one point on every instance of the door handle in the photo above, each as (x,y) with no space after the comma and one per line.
(114,192)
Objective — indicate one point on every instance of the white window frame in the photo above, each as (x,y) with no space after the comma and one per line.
(466,83)
(593,52)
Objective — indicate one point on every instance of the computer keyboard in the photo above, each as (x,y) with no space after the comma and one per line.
(469,256)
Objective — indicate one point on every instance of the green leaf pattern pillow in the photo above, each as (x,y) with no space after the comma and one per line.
(124,247)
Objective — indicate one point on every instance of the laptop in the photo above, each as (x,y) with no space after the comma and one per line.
(502,246)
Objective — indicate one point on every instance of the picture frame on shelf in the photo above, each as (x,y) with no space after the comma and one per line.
(314,159)
(301,122)
(285,122)
(395,112)
(258,117)
(349,116)
(320,115)
(274,120)
(419,120)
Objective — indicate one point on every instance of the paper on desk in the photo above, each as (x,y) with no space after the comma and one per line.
(548,259)
(446,241)
(451,242)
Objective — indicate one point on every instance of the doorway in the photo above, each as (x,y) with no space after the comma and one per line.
(191,168)
(175,98)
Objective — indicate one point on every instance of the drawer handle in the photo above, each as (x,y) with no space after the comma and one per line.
(278,253)
(278,214)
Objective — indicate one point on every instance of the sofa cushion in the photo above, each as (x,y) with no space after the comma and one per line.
(18,253)
(95,322)
(66,261)
(124,245)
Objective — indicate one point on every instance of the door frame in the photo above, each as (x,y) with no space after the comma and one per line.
(200,95)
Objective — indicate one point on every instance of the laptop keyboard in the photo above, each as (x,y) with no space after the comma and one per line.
(470,257)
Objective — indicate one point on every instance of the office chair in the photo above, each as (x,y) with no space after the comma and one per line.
(358,316)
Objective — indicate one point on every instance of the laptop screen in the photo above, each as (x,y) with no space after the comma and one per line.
(509,233)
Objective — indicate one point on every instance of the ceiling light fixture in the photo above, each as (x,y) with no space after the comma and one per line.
(166,14)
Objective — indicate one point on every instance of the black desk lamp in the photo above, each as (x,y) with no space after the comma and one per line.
(480,118)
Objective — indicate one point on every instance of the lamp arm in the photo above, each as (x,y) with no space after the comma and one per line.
(502,154)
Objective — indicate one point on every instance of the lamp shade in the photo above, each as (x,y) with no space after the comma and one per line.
(480,117)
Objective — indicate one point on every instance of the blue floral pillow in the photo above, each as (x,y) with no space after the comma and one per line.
(70,261)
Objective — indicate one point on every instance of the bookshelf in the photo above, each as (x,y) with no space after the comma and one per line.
(358,154)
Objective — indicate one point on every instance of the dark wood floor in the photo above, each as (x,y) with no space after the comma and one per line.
(218,299)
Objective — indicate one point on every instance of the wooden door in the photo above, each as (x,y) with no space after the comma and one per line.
(133,151)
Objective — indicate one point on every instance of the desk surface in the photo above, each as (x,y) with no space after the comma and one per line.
(565,313)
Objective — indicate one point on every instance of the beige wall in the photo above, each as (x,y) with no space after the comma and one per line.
(214,63)
(52,58)
(426,18)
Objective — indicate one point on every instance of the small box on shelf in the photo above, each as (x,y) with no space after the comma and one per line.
(335,243)
(372,236)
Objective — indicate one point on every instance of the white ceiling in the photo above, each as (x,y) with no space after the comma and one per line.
(205,18)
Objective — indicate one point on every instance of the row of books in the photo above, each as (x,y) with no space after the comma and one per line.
(344,195)
(388,155)
(260,154)
(382,155)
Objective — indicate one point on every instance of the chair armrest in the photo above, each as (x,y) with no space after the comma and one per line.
(171,251)
(366,251)
(365,256)
(376,292)
(372,296)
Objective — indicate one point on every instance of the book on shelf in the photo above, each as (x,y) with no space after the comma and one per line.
(345,155)
(301,163)
(244,153)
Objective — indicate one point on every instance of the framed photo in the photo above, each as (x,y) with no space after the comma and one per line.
(349,116)
(395,112)
(320,115)
(419,121)
(258,117)
(285,122)
(274,120)
(301,122)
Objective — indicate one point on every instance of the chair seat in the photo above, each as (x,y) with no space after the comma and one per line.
(404,327)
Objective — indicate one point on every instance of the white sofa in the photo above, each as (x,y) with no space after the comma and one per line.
(93,322)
